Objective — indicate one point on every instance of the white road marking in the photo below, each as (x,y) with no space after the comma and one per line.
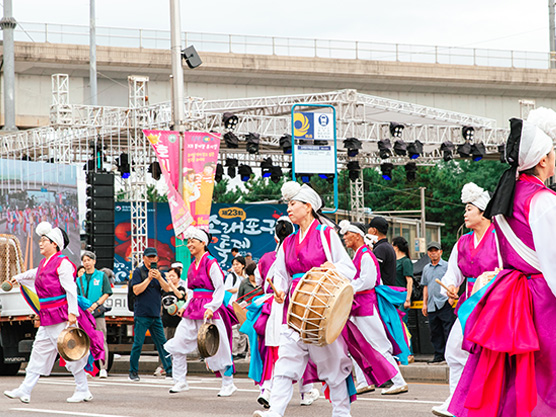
(70,413)
(124,383)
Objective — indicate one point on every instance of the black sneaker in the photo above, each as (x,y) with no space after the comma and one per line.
(169,375)
(133,376)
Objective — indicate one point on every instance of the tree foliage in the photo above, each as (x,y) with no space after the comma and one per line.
(443,182)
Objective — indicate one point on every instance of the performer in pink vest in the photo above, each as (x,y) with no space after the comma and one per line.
(54,283)
(474,253)
(269,322)
(512,367)
(205,294)
(365,313)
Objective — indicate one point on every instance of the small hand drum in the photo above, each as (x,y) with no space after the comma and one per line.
(73,344)
(240,313)
(172,309)
(7,286)
(208,340)
(320,306)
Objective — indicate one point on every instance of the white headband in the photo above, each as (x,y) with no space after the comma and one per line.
(292,190)
(346,226)
(473,194)
(54,234)
(194,233)
(533,146)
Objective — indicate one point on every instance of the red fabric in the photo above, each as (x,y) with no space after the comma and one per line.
(505,330)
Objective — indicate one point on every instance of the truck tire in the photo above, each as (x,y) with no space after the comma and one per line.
(8,369)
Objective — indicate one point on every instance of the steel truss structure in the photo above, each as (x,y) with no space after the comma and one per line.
(119,129)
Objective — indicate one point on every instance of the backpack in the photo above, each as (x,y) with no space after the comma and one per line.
(130,294)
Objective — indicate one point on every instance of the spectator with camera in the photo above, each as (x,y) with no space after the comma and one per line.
(148,284)
(94,285)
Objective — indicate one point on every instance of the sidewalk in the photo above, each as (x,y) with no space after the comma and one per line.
(418,371)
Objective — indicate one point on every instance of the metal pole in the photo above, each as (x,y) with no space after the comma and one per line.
(92,53)
(177,80)
(8,24)
(552,33)
(423,218)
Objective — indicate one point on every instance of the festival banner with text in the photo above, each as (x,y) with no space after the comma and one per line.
(191,205)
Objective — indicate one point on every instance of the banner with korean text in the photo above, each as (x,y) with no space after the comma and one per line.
(191,205)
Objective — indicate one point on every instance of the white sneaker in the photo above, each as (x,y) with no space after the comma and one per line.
(394,390)
(227,391)
(442,410)
(363,388)
(264,398)
(179,387)
(159,372)
(259,413)
(78,397)
(308,398)
(17,393)
(103,374)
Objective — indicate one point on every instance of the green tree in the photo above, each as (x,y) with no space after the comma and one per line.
(222,194)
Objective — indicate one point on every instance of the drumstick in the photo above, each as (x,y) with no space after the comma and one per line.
(269,280)
(444,286)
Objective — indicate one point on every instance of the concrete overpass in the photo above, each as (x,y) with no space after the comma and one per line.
(485,90)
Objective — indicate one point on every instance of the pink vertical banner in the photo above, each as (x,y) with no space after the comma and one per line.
(166,148)
(199,167)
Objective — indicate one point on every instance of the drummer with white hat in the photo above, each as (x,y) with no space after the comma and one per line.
(313,245)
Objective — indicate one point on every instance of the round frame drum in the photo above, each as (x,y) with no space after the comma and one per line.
(320,306)
(208,340)
(73,344)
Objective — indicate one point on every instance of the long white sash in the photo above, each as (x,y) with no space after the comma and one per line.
(526,253)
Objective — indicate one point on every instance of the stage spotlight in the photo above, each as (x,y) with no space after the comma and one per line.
(286,143)
(266,167)
(353,145)
(415,149)
(411,171)
(468,132)
(502,150)
(230,120)
(464,150)
(400,148)
(154,169)
(219,172)
(384,148)
(123,165)
(386,170)
(354,170)
(232,164)
(396,129)
(231,140)
(478,151)
(305,178)
(448,150)
(253,140)
(276,174)
(245,172)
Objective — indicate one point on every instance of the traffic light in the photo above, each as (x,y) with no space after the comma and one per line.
(99,223)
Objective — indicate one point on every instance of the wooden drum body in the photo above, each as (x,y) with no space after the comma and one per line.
(320,306)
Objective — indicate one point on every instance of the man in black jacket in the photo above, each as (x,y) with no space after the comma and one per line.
(383,251)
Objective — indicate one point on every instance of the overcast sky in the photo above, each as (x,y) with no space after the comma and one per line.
(491,24)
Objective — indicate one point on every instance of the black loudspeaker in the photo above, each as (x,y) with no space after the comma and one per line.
(99,225)
(191,57)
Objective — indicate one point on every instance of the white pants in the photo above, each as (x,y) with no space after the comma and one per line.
(333,367)
(185,341)
(456,357)
(43,356)
(373,330)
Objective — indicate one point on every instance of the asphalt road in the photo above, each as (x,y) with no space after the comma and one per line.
(118,397)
